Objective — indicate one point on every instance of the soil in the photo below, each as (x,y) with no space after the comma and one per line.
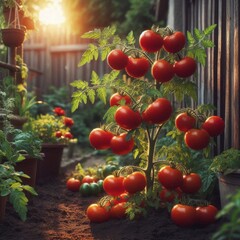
(58,214)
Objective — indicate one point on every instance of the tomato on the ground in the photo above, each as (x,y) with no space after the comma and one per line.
(117,59)
(206,214)
(150,41)
(169,177)
(183,215)
(73,184)
(184,122)
(85,190)
(97,213)
(95,189)
(135,182)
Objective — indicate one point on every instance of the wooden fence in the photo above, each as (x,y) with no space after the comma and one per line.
(52,55)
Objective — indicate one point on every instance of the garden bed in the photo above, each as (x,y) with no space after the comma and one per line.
(58,214)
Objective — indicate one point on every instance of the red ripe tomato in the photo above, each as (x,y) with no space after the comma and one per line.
(174,43)
(73,184)
(100,139)
(197,139)
(113,185)
(183,215)
(58,134)
(59,111)
(158,112)
(68,121)
(214,125)
(135,182)
(185,67)
(169,177)
(167,195)
(68,135)
(122,197)
(206,214)
(127,119)
(162,71)
(117,59)
(88,179)
(118,211)
(121,146)
(116,98)
(150,41)
(97,213)
(184,122)
(191,183)
(137,67)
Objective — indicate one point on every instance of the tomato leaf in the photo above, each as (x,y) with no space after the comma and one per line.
(94,34)
(90,54)
(109,115)
(209,30)
(102,94)
(207,43)
(190,38)
(95,80)
(91,95)
(198,34)
(130,38)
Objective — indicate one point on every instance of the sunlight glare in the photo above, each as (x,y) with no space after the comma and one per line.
(52,13)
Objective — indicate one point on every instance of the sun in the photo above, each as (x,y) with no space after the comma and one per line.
(52,14)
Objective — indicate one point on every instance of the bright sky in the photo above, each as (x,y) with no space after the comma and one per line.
(52,13)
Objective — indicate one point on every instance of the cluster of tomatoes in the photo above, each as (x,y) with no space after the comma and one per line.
(120,189)
(88,186)
(199,138)
(162,70)
(174,185)
(67,121)
(126,118)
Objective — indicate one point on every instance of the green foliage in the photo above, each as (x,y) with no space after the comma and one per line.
(198,42)
(226,162)
(230,228)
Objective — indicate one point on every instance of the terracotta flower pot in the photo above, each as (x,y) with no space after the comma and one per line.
(29,167)
(13,37)
(3,201)
(49,167)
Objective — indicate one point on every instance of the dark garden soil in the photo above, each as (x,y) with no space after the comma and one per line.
(58,214)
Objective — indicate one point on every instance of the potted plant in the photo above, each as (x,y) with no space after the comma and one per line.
(227,166)
(11,184)
(54,132)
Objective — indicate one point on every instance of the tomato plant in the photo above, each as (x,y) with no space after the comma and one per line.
(141,106)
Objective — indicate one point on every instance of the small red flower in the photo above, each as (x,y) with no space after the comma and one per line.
(58,134)
(68,135)
(68,121)
(59,111)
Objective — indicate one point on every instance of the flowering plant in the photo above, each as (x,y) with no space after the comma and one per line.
(52,128)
